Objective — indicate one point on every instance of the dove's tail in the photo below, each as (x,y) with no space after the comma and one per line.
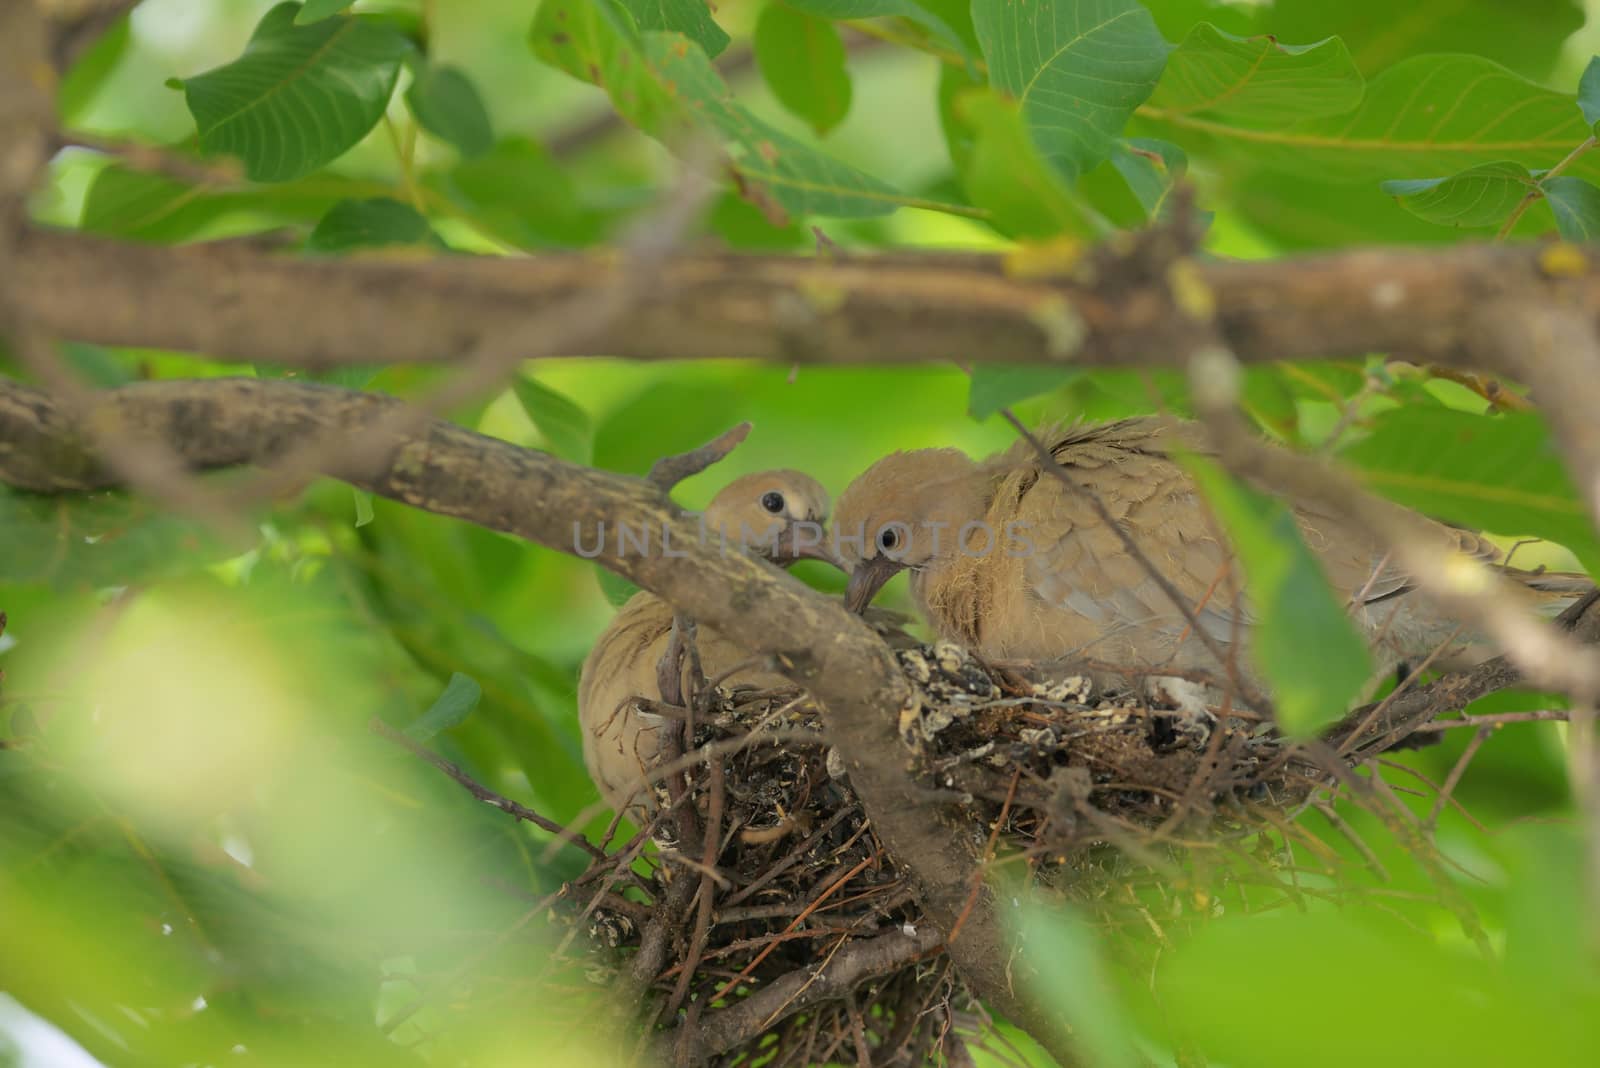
(1558,588)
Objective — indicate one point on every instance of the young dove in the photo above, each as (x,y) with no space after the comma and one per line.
(1016,566)
(777,514)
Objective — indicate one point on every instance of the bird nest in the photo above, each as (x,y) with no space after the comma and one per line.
(1143,818)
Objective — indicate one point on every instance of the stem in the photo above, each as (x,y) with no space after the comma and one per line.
(1538,190)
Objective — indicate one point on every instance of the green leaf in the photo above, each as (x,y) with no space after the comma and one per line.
(519,194)
(461,695)
(1006,174)
(1589,92)
(1079,68)
(921,14)
(1438,114)
(371,223)
(317,10)
(1152,170)
(803,60)
(1576,205)
(300,96)
(616,589)
(122,202)
(81,84)
(1068,971)
(1000,385)
(1255,80)
(1212,978)
(1526,36)
(98,540)
(566,428)
(1500,473)
(692,18)
(670,90)
(363,502)
(1302,641)
(446,104)
(1478,196)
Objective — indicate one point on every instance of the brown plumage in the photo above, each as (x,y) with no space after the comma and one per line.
(1058,585)
(619,740)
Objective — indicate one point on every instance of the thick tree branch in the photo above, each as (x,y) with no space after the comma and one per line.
(1109,309)
(445,469)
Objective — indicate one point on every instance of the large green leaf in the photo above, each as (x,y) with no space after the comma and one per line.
(670,90)
(519,194)
(924,15)
(1302,641)
(448,106)
(1576,204)
(104,539)
(300,96)
(1478,196)
(1589,92)
(1256,80)
(1000,385)
(692,18)
(123,202)
(317,10)
(803,60)
(80,86)
(1067,970)
(564,426)
(1078,67)
(1526,35)
(1500,473)
(1005,173)
(1211,979)
(1430,114)
(461,695)
(374,223)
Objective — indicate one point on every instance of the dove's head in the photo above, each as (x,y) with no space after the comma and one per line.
(905,511)
(777,514)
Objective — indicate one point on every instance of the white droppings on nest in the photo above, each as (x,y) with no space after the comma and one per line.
(1037,737)
(1075,688)
(950,656)
(916,665)
(835,764)
(910,717)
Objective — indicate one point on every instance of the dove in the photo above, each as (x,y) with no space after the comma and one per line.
(779,515)
(1016,566)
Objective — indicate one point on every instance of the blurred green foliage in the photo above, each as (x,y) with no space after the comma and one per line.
(207,857)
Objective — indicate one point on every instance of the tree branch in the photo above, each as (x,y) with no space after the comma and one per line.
(445,469)
(237,301)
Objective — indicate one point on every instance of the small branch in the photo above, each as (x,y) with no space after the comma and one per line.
(668,471)
(480,791)
(1537,191)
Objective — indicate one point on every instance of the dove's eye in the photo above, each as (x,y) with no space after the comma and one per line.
(888,539)
(773,502)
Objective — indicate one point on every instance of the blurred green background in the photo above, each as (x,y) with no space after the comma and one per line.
(206,857)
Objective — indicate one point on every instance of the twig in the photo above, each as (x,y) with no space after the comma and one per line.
(481,792)
(668,471)
(856,963)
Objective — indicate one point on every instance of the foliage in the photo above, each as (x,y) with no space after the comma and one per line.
(206,848)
